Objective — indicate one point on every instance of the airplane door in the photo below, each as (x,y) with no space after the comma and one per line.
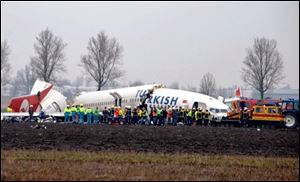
(199,104)
(195,105)
(120,102)
(116,102)
(117,98)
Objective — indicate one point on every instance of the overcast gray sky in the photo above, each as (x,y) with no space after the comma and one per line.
(163,41)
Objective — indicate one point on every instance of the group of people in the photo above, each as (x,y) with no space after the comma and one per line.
(158,116)
(77,114)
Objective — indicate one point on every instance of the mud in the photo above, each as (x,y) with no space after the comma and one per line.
(169,139)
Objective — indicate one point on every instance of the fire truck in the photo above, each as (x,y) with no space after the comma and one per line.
(265,112)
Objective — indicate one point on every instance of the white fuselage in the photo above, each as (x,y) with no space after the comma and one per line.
(162,97)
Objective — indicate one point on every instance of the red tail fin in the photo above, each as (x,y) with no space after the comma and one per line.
(238,92)
(21,104)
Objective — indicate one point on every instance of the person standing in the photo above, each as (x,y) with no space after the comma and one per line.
(96,115)
(89,113)
(154,116)
(145,116)
(77,113)
(169,116)
(105,115)
(164,113)
(199,117)
(128,115)
(30,111)
(67,112)
(175,116)
(120,116)
(159,116)
(135,116)
(206,117)
(81,114)
(73,112)
(189,117)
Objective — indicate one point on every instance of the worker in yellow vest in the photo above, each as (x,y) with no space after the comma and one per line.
(206,115)
(81,114)
(73,112)
(67,112)
(9,109)
(96,115)
(89,113)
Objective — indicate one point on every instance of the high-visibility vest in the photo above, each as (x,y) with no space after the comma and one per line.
(140,113)
(197,115)
(206,114)
(96,112)
(81,110)
(189,114)
(158,112)
(120,112)
(89,110)
(9,109)
(73,109)
(67,110)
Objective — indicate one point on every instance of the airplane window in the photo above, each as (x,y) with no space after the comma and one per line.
(223,110)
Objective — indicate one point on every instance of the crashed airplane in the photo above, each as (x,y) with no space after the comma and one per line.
(44,97)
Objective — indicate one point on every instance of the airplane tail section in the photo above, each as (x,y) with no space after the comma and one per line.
(238,92)
(40,93)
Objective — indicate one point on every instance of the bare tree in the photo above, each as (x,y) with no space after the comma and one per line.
(103,59)
(263,66)
(24,80)
(208,84)
(50,57)
(63,82)
(5,66)
(78,82)
(174,85)
(136,83)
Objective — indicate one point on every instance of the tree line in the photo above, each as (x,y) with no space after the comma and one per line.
(262,68)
